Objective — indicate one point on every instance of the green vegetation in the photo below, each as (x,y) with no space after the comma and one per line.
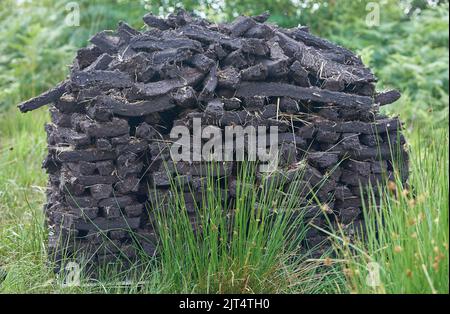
(406,240)
(248,246)
(408,51)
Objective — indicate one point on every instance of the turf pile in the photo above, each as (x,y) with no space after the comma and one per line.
(111,119)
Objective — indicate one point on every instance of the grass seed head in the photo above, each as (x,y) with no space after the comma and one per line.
(348,272)
(409,273)
(326,209)
(398,249)
(436,266)
(422,197)
(412,222)
(392,186)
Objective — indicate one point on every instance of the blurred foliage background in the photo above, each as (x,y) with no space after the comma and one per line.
(408,50)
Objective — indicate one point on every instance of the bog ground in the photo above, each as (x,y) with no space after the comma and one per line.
(408,51)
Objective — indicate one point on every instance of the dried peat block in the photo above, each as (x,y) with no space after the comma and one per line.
(247,89)
(122,107)
(44,99)
(109,162)
(188,77)
(387,97)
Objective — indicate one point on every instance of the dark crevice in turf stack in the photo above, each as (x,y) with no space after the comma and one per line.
(112,116)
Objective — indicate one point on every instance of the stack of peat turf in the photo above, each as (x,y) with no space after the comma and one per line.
(111,119)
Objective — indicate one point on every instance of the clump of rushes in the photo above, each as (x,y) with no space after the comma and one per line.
(405,243)
(251,245)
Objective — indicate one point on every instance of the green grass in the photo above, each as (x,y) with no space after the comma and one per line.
(405,243)
(252,245)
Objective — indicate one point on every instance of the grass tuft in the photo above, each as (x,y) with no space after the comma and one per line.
(404,248)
